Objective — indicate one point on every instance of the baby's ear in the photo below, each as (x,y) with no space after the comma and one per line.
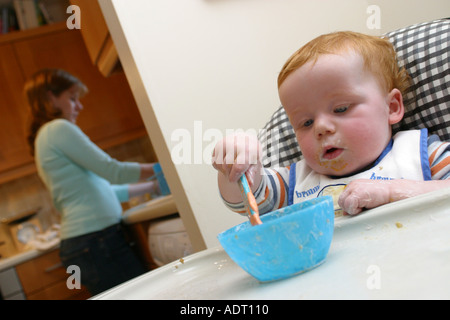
(396,107)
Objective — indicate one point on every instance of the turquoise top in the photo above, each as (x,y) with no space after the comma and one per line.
(79,176)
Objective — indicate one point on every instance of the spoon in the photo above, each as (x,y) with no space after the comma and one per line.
(249,201)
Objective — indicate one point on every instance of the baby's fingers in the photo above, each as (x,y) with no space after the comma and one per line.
(223,155)
(350,203)
(364,194)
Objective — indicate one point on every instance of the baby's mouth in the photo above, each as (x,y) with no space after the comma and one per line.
(331,153)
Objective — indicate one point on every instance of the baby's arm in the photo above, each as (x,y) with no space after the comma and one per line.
(360,194)
(366,194)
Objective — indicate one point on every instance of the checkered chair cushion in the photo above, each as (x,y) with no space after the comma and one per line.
(423,49)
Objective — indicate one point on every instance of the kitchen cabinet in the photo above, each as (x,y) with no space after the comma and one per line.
(110,116)
(99,44)
(45,278)
(14,153)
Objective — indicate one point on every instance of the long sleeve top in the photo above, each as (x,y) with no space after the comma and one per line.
(85,183)
(273,191)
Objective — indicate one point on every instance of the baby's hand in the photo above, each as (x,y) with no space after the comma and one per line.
(237,154)
(364,194)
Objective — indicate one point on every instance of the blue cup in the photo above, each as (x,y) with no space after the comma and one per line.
(289,241)
(163,186)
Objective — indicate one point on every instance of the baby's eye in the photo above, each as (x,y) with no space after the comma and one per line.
(341,109)
(308,123)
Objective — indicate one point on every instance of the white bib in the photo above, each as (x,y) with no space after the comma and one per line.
(405,158)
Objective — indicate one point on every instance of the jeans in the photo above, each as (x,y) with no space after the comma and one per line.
(104,257)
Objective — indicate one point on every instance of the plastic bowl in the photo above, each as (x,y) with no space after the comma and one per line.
(289,241)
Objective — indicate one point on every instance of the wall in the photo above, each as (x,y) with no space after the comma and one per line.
(200,67)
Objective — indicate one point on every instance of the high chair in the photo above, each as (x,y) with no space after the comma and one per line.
(424,50)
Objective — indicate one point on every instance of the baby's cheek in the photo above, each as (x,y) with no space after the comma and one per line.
(312,159)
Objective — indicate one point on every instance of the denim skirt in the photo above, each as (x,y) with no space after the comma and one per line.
(104,258)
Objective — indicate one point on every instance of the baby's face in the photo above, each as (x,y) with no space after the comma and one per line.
(339,112)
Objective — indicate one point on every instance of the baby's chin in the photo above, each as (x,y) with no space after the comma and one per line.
(335,167)
(338,168)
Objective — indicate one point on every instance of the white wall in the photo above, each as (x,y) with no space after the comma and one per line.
(214,63)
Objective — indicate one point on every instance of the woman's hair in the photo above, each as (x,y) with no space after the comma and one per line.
(37,90)
(378,54)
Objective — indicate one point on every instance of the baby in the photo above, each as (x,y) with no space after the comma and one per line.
(341,92)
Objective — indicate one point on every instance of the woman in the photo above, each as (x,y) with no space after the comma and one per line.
(85,183)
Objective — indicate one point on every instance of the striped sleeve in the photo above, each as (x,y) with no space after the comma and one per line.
(439,158)
(271,194)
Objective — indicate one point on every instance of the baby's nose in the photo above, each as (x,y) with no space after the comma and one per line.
(323,125)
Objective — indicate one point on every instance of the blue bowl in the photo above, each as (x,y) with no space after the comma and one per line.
(289,241)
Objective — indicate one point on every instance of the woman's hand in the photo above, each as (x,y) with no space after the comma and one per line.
(141,188)
(146,171)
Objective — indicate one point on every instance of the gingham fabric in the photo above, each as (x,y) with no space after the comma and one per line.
(424,51)
(279,145)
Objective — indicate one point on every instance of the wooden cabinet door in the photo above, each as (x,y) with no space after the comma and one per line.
(110,114)
(99,44)
(93,29)
(44,278)
(14,151)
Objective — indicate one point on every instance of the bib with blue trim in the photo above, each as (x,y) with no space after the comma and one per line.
(406,157)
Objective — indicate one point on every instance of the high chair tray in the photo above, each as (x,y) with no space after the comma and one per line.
(397,251)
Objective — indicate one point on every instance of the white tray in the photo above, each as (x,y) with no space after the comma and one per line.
(397,251)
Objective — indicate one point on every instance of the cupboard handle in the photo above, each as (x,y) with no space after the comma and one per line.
(53,267)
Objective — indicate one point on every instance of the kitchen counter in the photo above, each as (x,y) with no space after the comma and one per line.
(19,258)
(396,251)
(42,243)
(155,208)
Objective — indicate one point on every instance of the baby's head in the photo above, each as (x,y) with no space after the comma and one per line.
(378,54)
(342,92)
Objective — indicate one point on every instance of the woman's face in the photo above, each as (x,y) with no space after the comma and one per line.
(68,102)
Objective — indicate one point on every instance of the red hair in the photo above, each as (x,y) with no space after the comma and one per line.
(378,54)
